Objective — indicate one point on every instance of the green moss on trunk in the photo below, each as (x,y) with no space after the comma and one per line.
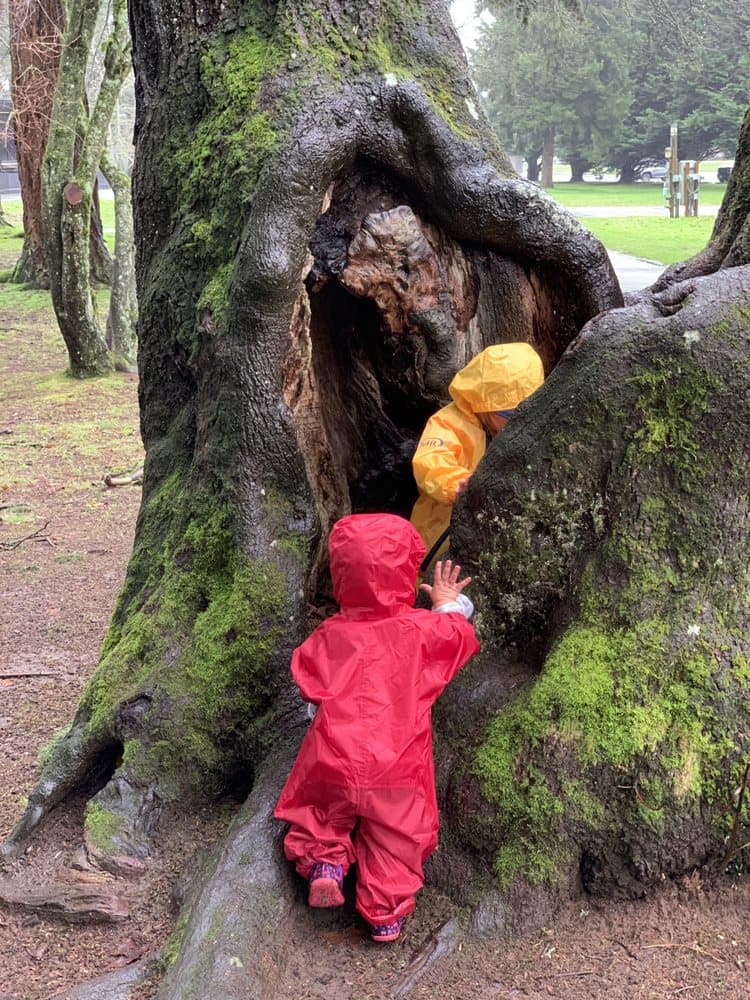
(194,641)
(624,543)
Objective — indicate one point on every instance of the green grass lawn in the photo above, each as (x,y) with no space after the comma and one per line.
(13,211)
(660,239)
(616,195)
(652,237)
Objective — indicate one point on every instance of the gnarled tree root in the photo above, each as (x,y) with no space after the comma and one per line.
(233,942)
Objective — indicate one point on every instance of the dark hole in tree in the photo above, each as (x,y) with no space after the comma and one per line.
(238,783)
(99,774)
(371,415)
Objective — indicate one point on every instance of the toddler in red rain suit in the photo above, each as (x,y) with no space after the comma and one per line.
(363,787)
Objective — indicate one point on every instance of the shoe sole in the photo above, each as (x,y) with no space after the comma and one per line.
(325,892)
(386,937)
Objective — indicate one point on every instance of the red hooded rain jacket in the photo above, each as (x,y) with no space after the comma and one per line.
(362,788)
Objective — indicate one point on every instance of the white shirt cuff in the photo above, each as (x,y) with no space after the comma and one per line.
(462,605)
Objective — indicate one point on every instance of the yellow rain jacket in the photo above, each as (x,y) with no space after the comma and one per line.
(454,440)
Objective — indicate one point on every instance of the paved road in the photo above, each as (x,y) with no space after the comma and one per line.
(633,273)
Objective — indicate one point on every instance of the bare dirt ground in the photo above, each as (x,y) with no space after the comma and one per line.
(65,539)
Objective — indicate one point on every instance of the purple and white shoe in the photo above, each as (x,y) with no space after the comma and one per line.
(386,932)
(326,885)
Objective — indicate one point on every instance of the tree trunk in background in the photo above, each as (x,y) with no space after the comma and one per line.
(74,150)
(577,169)
(532,166)
(627,174)
(548,158)
(123,304)
(100,260)
(35,45)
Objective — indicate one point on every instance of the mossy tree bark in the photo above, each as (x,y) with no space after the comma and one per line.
(74,150)
(608,529)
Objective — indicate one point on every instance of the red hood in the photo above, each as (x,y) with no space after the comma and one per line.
(375,559)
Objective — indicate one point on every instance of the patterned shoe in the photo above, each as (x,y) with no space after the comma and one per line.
(326,884)
(386,932)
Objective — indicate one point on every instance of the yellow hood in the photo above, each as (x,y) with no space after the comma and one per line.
(498,378)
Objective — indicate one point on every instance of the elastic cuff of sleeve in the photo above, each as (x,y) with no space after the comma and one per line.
(462,605)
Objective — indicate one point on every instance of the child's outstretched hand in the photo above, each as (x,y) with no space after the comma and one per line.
(445,583)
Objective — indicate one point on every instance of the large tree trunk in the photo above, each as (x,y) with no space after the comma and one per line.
(613,559)
(326,231)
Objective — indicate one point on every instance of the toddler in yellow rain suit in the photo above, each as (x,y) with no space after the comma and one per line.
(484,394)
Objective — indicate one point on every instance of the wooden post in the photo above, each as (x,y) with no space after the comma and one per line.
(674,202)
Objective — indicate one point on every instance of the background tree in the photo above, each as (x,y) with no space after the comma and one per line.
(555,79)
(123,303)
(688,65)
(610,78)
(35,33)
(35,45)
(5,129)
(74,151)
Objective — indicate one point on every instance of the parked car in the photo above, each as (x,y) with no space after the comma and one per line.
(723,174)
(651,171)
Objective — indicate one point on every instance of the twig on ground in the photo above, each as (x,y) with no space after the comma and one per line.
(566,975)
(37,535)
(123,480)
(626,949)
(686,947)
(28,673)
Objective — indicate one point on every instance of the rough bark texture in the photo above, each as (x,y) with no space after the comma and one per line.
(608,531)
(80,898)
(286,372)
(35,43)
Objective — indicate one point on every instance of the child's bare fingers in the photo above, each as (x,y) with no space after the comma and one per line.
(463,583)
(426,588)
